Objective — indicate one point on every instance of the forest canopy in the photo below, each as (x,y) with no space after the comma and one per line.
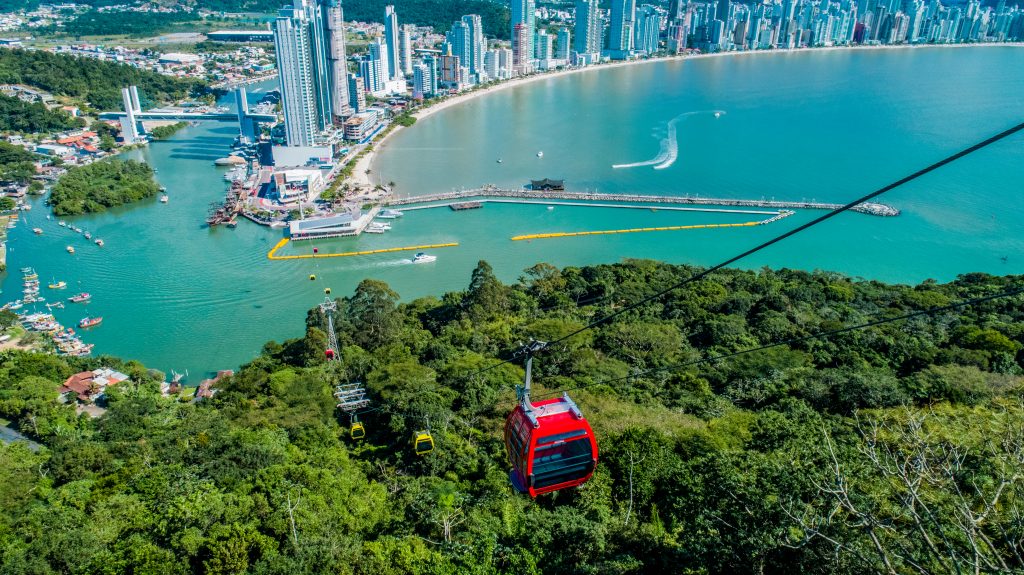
(897,448)
(94,81)
(33,118)
(101,185)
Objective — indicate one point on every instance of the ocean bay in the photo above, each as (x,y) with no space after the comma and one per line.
(825,125)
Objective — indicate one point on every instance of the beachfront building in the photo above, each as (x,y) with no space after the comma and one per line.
(588,31)
(392,63)
(425,78)
(563,45)
(356,93)
(337,60)
(405,49)
(522,54)
(303,69)
(523,13)
(648,29)
(360,126)
(544,46)
(620,32)
(348,223)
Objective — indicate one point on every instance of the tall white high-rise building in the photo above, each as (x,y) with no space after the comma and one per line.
(304,73)
(405,49)
(524,12)
(477,44)
(393,69)
(620,34)
(335,26)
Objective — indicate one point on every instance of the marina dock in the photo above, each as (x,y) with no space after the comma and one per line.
(488,192)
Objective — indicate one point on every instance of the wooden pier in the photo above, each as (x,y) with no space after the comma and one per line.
(870,208)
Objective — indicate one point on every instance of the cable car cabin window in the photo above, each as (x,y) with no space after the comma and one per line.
(561,461)
(518,439)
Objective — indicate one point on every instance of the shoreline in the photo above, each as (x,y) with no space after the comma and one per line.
(361,178)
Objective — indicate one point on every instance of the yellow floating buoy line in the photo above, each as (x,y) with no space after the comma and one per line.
(632,231)
(272,254)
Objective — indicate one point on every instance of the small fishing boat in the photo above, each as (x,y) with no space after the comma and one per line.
(31,276)
(80,298)
(99,243)
(26,270)
(163,199)
(56,304)
(58,285)
(62,224)
(90,322)
(87,235)
(70,249)
(37,231)
(540,154)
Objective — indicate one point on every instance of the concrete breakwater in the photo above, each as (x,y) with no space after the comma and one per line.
(870,208)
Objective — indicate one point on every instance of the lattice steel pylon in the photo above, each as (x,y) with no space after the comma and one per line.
(328,308)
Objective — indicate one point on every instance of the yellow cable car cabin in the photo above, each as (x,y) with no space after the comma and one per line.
(357,431)
(422,443)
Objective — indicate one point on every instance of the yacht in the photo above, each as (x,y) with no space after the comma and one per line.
(37,231)
(163,199)
(422,258)
(540,154)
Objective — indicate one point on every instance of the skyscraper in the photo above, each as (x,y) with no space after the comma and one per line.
(648,28)
(304,73)
(520,49)
(620,36)
(544,46)
(459,41)
(393,69)
(564,44)
(477,44)
(588,27)
(524,12)
(356,93)
(338,78)
(405,49)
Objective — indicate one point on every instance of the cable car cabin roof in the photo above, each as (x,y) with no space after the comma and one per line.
(557,452)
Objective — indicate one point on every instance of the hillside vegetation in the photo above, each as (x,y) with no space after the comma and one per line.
(893,449)
(19,116)
(101,185)
(87,80)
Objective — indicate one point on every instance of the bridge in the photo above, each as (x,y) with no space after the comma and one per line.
(132,117)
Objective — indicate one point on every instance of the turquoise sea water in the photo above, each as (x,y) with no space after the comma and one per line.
(824,125)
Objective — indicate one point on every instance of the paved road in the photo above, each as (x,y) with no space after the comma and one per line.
(8,435)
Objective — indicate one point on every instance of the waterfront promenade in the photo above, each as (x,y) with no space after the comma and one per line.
(484,193)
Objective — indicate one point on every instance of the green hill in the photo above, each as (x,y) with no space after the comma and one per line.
(893,449)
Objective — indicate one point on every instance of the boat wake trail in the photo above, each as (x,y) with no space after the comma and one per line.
(669,151)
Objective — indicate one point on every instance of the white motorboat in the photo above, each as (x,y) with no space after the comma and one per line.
(422,258)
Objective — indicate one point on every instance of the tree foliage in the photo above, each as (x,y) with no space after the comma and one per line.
(19,116)
(893,449)
(97,82)
(101,185)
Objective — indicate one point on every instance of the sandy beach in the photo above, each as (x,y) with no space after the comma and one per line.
(361,177)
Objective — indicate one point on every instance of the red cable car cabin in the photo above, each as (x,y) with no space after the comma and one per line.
(550,444)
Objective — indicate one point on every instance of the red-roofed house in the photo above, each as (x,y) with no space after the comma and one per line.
(88,386)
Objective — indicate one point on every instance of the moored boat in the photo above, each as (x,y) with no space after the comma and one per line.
(70,249)
(99,243)
(90,321)
(58,285)
(80,298)
(37,231)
